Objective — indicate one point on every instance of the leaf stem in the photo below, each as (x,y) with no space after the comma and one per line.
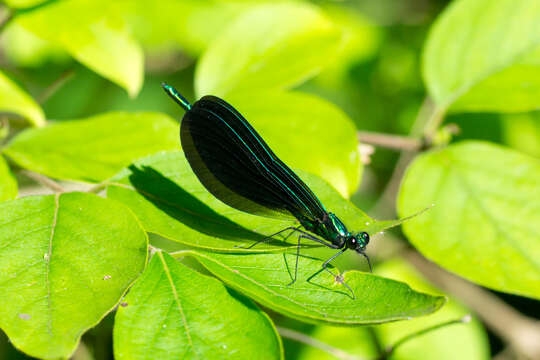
(4,130)
(7,19)
(428,115)
(180,253)
(98,187)
(394,142)
(44,180)
(390,350)
(434,122)
(55,86)
(308,340)
(153,249)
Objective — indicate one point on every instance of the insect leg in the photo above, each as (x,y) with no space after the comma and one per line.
(305,235)
(368,262)
(338,278)
(328,261)
(297,256)
(270,237)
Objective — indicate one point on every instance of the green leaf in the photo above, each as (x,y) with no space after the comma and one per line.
(167,316)
(315,296)
(92,33)
(191,24)
(297,128)
(94,148)
(24,49)
(522,132)
(170,201)
(23,3)
(8,184)
(361,40)
(65,261)
(14,99)
(484,55)
(270,46)
(459,341)
(485,225)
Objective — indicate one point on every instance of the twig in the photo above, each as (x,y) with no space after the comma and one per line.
(385,205)
(434,122)
(43,180)
(390,350)
(5,21)
(97,188)
(521,332)
(394,142)
(4,130)
(508,353)
(152,250)
(308,340)
(55,86)
(365,152)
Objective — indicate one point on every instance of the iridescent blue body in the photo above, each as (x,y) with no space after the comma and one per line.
(235,164)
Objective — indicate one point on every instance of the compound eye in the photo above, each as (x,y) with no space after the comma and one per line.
(365,237)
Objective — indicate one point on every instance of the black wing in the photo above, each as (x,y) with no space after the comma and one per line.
(235,164)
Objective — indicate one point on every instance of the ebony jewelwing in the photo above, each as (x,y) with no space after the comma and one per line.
(235,164)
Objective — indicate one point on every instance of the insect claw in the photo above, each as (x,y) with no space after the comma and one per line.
(292,282)
(348,287)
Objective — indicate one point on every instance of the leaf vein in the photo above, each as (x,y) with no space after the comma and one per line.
(177,300)
(48,261)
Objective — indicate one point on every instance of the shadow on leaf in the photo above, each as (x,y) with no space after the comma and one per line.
(180,205)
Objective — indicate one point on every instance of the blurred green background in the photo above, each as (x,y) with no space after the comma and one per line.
(377,83)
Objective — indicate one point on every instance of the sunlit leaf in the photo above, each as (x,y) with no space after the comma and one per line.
(170,201)
(65,261)
(189,24)
(93,149)
(8,184)
(23,3)
(167,316)
(14,99)
(361,40)
(92,33)
(268,47)
(316,296)
(24,48)
(484,55)
(485,225)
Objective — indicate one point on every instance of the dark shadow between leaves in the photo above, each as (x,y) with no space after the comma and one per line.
(172,199)
(247,302)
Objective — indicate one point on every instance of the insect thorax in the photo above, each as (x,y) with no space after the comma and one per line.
(329,228)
